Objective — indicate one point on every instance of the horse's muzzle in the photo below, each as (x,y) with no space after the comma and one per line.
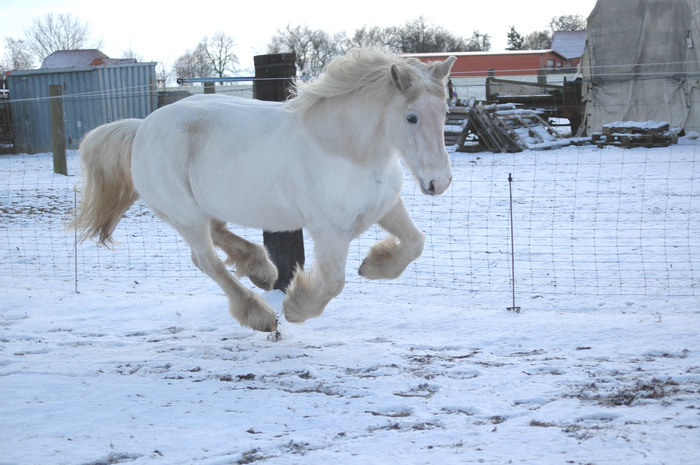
(434,187)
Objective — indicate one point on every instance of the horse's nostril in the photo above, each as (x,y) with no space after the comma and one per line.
(431,187)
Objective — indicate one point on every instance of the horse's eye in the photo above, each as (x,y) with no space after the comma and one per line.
(412,119)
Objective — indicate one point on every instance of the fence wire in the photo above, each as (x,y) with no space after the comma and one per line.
(586,221)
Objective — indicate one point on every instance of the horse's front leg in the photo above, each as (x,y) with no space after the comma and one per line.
(387,259)
(310,291)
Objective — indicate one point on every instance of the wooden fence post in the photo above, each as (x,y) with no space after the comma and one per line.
(58,130)
(276,73)
(209,87)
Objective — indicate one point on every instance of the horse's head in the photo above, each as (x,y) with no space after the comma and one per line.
(419,121)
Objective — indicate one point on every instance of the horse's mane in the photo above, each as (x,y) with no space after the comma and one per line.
(366,71)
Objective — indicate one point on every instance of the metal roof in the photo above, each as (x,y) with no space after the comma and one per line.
(569,44)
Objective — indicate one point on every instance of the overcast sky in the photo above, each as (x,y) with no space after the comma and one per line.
(163,31)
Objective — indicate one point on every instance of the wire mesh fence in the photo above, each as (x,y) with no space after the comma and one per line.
(587,222)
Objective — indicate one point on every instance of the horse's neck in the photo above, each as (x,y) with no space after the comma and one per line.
(345,128)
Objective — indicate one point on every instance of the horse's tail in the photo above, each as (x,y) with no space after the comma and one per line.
(108,189)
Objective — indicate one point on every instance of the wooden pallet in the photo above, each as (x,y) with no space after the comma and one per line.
(636,127)
(631,134)
(529,129)
(490,132)
(506,128)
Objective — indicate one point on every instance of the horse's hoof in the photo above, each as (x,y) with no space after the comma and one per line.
(294,311)
(294,316)
(265,283)
(262,322)
(369,269)
(255,314)
(264,277)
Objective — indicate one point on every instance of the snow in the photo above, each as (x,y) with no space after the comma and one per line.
(72,58)
(643,125)
(151,369)
(454,128)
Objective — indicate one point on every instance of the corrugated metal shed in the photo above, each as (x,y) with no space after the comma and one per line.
(92,96)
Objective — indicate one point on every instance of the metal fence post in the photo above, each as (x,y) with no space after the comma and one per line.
(274,76)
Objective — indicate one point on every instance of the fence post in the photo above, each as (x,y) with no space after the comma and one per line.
(209,87)
(58,131)
(542,77)
(276,73)
(514,308)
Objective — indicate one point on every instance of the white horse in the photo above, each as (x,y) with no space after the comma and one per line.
(326,161)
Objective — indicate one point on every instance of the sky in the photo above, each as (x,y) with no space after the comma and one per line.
(162,31)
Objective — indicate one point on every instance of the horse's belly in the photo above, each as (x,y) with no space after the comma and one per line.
(249,197)
(259,215)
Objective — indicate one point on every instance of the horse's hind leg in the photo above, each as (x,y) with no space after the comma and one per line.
(389,258)
(245,305)
(249,258)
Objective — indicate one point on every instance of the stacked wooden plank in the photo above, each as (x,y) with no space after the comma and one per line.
(506,128)
(489,132)
(635,134)
(457,125)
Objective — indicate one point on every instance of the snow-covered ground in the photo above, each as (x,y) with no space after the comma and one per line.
(143,365)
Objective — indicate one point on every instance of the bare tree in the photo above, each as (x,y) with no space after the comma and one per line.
(164,74)
(17,56)
(418,36)
(415,36)
(373,37)
(219,51)
(313,48)
(539,40)
(479,42)
(194,64)
(452,43)
(132,54)
(567,23)
(53,32)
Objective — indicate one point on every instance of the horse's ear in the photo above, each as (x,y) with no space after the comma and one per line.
(443,69)
(400,77)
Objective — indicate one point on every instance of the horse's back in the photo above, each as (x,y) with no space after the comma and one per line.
(218,111)
(227,101)
(225,155)
(206,126)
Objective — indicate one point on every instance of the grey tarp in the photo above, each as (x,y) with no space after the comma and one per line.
(642,62)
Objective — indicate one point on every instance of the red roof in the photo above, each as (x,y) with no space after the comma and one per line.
(511,63)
